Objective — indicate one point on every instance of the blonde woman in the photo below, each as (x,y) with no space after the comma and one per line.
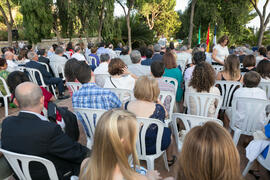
(114,140)
(209,153)
(231,70)
(147,104)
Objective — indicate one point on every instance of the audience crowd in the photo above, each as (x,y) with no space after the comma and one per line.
(36,78)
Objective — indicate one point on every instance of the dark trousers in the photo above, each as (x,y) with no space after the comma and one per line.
(58,82)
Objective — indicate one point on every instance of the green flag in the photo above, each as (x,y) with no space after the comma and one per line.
(199,35)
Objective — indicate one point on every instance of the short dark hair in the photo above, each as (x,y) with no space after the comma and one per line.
(172,45)
(84,73)
(262,51)
(251,79)
(263,68)
(157,68)
(3,61)
(102,44)
(42,52)
(116,66)
(149,53)
(249,60)
(71,69)
(14,79)
(125,50)
(198,57)
(54,46)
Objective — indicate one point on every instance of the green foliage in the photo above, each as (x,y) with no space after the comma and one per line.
(230,16)
(37,19)
(140,32)
(160,16)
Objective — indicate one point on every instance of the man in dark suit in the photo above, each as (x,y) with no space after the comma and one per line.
(48,78)
(42,58)
(32,134)
(157,56)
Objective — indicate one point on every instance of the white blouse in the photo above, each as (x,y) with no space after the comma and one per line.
(222,52)
(124,82)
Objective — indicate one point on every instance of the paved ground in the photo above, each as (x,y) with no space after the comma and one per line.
(159,165)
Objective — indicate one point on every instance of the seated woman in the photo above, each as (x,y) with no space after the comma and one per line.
(249,63)
(208,152)
(172,71)
(250,89)
(263,68)
(93,54)
(3,74)
(147,105)
(114,141)
(231,70)
(120,77)
(203,81)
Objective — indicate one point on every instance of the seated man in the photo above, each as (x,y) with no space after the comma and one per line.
(102,69)
(48,78)
(11,64)
(58,60)
(136,67)
(91,95)
(148,61)
(31,133)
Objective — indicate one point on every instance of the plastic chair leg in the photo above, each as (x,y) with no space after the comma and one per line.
(166,161)
(6,106)
(150,164)
(249,165)
(236,137)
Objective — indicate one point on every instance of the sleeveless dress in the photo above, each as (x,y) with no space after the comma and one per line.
(151,133)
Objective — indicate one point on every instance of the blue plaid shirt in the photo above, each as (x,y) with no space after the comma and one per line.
(92,96)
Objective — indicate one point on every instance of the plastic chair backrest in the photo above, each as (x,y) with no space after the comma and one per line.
(46,65)
(202,103)
(189,122)
(144,124)
(124,95)
(117,52)
(5,87)
(266,87)
(20,164)
(33,73)
(265,162)
(100,79)
(74,86)
(171,81)
(251,121)
(227,88)
(218,68)
(90,118)
(165,97)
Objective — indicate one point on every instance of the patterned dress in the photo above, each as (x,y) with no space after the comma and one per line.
(3,74)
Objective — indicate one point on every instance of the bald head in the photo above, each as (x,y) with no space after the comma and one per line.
(28,95)
(9,55)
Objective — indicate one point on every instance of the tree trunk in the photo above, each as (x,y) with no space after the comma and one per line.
(101,19)
(9,27)
(193,3)
(129,31)
(261,32)
(99,32)
(58,36)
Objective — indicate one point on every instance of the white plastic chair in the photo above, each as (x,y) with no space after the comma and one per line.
(227,89)
(100,79)
(144,124)
(164,96)
(117,52)
(32,75)
(202,103)
(5,97)
(90,119)
(55,67)
(266,87)
(189,122)
(265,162)
(46,65)
(74,86)
(124,95)
(249,123)
(20,164)
(171,81)
(218,68)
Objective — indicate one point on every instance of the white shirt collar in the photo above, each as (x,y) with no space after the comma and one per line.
(43,118)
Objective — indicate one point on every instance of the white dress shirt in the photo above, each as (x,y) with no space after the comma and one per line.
(78,56)
(11,66)
(124,82)
(139,70)
(102,68)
